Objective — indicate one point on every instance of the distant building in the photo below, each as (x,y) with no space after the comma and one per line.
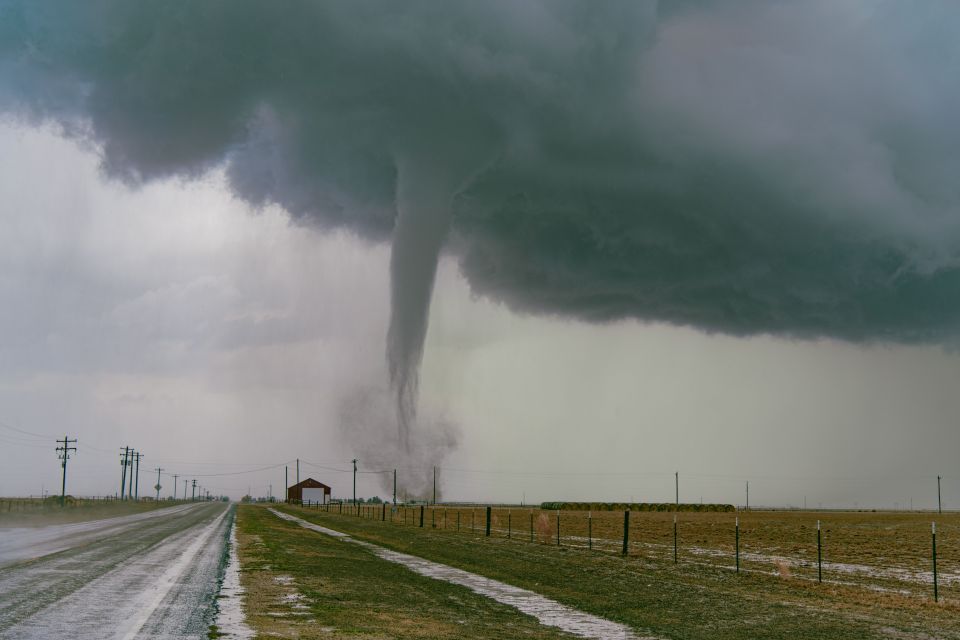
(309,490)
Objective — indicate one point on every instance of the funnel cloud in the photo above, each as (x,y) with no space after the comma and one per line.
(783,168)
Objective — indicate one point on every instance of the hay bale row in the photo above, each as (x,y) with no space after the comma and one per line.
(635,506)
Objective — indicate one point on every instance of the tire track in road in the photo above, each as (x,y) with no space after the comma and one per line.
(98,589)
(145,605)
(19,544)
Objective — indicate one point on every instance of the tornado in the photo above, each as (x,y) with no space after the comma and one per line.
(427,184)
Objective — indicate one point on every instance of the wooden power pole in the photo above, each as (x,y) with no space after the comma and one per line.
(63,452)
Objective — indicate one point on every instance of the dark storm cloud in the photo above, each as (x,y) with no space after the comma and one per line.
(768,167)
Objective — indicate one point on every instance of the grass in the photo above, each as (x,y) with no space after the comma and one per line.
(649,592)
(878,550)
(301,584)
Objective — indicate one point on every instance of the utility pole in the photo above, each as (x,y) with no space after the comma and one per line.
(748,498)
(286,483)
(175,476)
(130,457)
(123,476)
(193,491)
(354,482)
(137,492)
(676,484)
(434,485)
(939,504)
(298,470)
(158,483)
(394,487)
(63,452)
(185,488)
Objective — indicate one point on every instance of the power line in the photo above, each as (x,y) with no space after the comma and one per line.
(236,473)
(17,443)
(41,436)
(208,463)
(326,468)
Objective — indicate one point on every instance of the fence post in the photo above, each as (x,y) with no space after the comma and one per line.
(383,517)
(933,533)
(626,532)
(421,516)
(737,525)
(819,555)
(589,529)
(488,521)
(674,538)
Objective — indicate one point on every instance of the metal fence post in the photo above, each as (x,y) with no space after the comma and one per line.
(626,531)
(819,555)
(933,533)
(737,525)
(674,538)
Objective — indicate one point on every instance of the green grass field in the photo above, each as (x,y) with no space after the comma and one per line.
(304,585)
(648,591)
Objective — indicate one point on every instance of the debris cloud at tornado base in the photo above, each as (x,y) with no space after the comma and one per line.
(366,415)
(745,168)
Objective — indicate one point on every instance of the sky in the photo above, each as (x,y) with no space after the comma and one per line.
(557,250)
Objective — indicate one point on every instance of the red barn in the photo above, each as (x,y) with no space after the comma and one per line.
(309,490)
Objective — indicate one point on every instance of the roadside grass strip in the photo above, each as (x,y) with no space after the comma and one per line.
(547,611)
(303,586)
(230,621)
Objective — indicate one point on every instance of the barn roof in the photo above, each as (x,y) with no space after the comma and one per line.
(309,483)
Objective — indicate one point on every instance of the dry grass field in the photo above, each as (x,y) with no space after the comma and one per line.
(879,551)
(877,581)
